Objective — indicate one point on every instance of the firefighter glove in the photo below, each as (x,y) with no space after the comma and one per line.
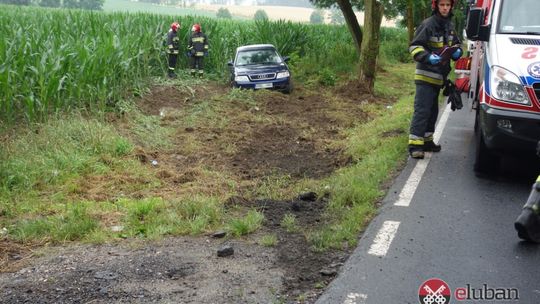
(434,59)
(457,54)
(454,96)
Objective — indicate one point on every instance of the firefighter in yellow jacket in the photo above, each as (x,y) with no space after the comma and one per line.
(197,50)
(435,34)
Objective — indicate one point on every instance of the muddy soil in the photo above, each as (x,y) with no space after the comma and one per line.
(188,269)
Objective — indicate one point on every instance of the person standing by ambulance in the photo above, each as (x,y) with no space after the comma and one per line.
(173,48)
(197,50)
(432,36)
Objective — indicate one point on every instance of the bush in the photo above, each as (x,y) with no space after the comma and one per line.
(223,13)
(327,77)
(260,15)
(396,51)
(317,17)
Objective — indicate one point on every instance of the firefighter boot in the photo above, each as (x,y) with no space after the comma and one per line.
(171,74)
(201,73)
(192,72)
(528,222)
(416,151)
(431,146)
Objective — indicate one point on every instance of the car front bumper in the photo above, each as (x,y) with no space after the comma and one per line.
(510,132)
(277,84)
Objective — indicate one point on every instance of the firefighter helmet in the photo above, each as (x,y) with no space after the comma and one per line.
(175,26)
(434,4)
(196,28)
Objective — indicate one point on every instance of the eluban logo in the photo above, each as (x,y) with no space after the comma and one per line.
(434,291)
(486,293)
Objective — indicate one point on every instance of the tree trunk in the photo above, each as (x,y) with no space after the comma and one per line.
(352,23)
(370,44)
(410,20)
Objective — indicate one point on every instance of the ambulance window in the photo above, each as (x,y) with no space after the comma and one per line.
(519,16)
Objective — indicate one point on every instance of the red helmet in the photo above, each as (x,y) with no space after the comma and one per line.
(196,28)
(434,4)
(175,26)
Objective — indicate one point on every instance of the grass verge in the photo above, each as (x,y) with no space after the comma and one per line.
(46,172)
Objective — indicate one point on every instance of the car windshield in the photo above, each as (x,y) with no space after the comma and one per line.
(520,17)
(261,56)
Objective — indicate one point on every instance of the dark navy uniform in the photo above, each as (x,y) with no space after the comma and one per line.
(173,49)
(431,37)
(197,48)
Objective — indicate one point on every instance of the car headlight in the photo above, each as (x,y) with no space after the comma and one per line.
(241,78)
(506,86)
(283,75)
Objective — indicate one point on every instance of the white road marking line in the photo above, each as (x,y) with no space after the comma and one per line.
(384,238)
(352,297)
(442,123)
(407,193)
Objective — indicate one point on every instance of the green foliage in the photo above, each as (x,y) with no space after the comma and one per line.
(269,240)
(246,225)
(377,148)
(317,17)
(223,13)
(394,45)
(105,58)
(327,77)
(144,216)
(57,151)
(260,15)
(289,222)
(74,225)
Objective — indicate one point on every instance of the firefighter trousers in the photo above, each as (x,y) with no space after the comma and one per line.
(426,110)
(197,63)
(172,62)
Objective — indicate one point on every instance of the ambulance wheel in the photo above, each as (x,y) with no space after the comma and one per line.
(485,162)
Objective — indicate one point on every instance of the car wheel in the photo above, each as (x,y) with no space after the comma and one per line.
(289,88)
(485,162)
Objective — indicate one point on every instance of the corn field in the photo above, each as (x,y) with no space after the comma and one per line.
(53,60)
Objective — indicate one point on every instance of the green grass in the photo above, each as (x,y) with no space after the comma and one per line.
(44,166)
(378,148)
(246,225)
(269,240)
(44,169)
(58,151)
(74,224)
(289,222)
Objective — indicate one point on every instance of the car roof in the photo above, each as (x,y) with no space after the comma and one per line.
(255,47)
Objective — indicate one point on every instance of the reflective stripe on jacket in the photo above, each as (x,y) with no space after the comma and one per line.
(430,37)
(173,42)
(198,44)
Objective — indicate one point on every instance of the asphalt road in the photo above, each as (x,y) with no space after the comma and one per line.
(457,228)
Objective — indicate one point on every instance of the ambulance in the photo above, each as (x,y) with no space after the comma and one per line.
(502,79)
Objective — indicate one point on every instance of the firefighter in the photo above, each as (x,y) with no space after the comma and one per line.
(197,50)
(433,35)
(528,222)
(173,47)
